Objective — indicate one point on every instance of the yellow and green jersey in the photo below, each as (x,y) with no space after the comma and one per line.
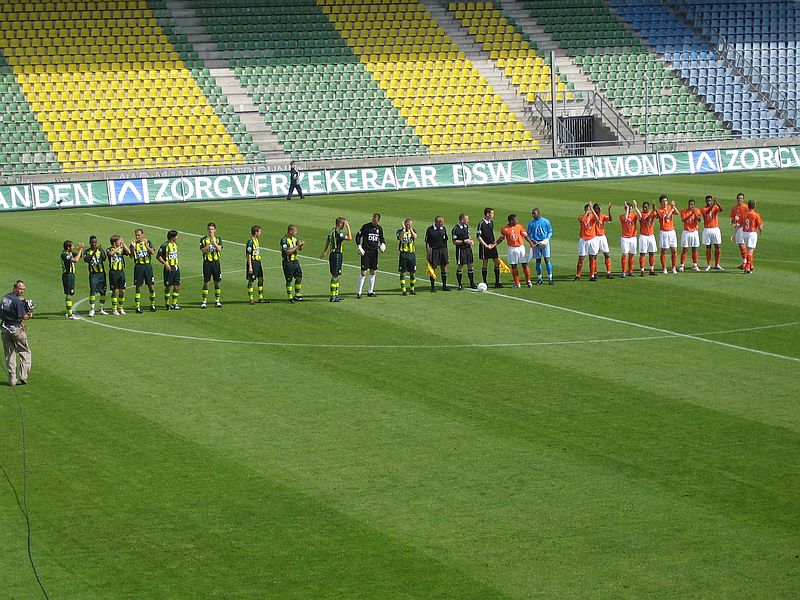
(67,266)
(406,241)
(169,252)
(141,252)
(336,240)
(253,249)
(211,255)
(286,243)
(96,259)
(116,258)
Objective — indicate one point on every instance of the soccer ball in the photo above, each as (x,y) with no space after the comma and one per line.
(482,287)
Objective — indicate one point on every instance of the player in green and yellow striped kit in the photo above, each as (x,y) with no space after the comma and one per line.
(406,237)
(116,273)
(335,242)
(290,246)
(167,255)
(68,260)
(95,256)
(211,246)
(142,251)
(253,268)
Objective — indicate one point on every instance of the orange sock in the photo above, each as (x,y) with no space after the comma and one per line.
(717,255)
(623,262)
(608,264)
(580,267)
(743,252)
(694,256)
(683,257)
(515,273)
(663,261)
(674,256)
(630,264)
(592,266)
(708,256)
(652,262)
(527,270)
(641,262)
(749,261)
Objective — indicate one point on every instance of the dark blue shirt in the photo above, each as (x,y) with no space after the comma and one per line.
(13,310)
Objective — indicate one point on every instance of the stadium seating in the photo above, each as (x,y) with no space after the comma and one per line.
(764,35)
(109,89)
(23,145)
(634,79)
(510,48)
(314,94)
(440,93)
(697,63)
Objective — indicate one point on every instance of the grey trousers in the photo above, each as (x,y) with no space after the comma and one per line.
(15,344)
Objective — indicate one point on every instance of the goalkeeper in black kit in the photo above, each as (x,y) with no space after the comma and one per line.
(369,241)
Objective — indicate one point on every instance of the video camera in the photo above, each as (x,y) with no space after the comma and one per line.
(30,306)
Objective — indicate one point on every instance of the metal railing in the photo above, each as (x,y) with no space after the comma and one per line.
(776,98)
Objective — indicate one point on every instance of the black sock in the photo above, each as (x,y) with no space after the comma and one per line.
(471,274)
(444,280)
(459,275)
(433,282)
(484,272)
(497,274)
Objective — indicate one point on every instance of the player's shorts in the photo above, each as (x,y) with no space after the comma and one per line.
(258,271)
(690,239)
(439,257)
(587,247)
(750,239)
(464,255)
(335,261)
(668,239)
(143,275)
(292,270)
(172,276)
(97,283)
(68,281)
(484,252)
(516,255)
(602,244)
(540,252)
(212,270)
(647,243)
(712,235)
(116,280)
(628,245)
(407,262)
(369,262)
(738,236)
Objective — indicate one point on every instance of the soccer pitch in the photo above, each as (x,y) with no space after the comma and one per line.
(619,439)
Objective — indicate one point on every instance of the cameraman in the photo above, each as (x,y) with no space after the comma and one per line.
(13,311)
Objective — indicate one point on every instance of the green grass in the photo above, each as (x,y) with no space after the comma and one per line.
(307,464)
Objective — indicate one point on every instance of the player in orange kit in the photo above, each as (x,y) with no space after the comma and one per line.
(752,225)
(668,237)
(587,244)
(628,239)
(515,236)
(690,237)
(647,239)
(711,232)
(737,216)
(602,240)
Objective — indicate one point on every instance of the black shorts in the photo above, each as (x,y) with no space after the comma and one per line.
(335,260)
(212,270)
(292,270)
(369,262)
(464,255)
(143,275)
(438,257)
(172,276)
(484,252)
(258,271)
(408,262)
(68,281)
(116,280)
(97,283)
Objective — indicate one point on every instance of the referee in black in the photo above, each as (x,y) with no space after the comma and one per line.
(294,181)
(486,251)
(436,249)
(463,244)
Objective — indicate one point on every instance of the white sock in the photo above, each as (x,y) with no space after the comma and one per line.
(361,284)
(371,283)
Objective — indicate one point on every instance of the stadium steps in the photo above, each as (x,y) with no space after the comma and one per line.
(23,144)
(488,68)
(259,132)
(110,89)
(437,89)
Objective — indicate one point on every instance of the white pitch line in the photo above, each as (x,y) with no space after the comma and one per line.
(537,303)
(751,328)
(687,336)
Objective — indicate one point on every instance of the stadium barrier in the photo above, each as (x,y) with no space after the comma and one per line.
(118,192)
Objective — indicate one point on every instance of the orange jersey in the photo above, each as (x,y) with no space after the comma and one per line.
(737,214)
(588,230)
(665,219)
(514,235)
(646,223)
(600,226)
(710,216)
(692,218)
(751,221)
(628,224)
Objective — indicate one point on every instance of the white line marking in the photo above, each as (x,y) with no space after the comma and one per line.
(751,328)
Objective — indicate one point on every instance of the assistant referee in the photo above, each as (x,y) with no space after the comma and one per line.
(436,250)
